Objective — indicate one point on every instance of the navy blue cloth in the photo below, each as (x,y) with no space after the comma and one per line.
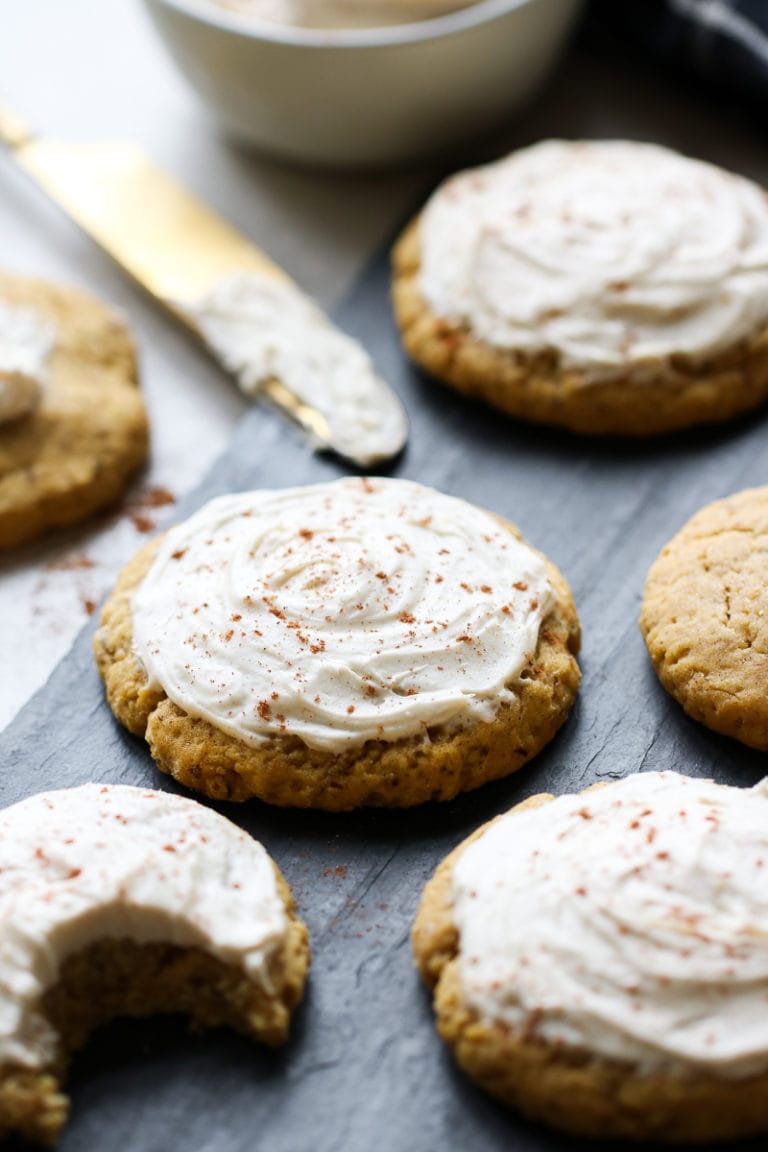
(724,42)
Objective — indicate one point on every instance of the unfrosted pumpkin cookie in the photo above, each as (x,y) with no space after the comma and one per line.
(606,286)
(599,961)
(118,901)
(705,616)
(364,642)
(73,428)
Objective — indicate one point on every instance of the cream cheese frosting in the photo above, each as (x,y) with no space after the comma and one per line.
(25,344)
(630,922)
(342,13)
(263,327)
(83,864)
(608,253)
(338,613)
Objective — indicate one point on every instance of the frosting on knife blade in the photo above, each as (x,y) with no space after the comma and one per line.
(264,329)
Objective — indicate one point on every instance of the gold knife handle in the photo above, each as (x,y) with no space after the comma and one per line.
(14,132)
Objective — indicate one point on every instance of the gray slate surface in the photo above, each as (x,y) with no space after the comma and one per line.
(364,1069)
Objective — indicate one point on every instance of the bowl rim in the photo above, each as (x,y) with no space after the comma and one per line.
(475,14)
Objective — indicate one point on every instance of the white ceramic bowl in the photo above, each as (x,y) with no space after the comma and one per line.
(368,96)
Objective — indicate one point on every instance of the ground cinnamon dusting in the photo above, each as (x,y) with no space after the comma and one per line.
(149,498)
(76,562)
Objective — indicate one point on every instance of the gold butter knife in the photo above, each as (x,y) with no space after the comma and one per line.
(248,312)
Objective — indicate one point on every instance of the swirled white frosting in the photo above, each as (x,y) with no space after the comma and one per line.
(106,861)
(607,252)
(339,613)
(25,343)
(630,922)
(264,328)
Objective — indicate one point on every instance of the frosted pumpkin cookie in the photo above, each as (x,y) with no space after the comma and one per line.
(705,616)
(73,427)
(600,961)
(606,286)
(118,901)
(364,642)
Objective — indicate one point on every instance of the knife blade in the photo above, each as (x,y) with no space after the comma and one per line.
(221,287)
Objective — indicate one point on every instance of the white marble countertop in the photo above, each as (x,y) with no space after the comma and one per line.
(83,69)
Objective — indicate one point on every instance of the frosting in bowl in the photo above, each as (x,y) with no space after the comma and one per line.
(630,921)
(83,864)
(338,613)
(25,344)
(607,253)
(342,13)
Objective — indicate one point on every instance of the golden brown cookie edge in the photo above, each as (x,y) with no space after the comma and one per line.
(719,680)
(118,978)
(651,399)
(287,773)
(55,483)
(572,1091)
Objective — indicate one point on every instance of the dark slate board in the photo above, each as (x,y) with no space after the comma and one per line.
(364,1069)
